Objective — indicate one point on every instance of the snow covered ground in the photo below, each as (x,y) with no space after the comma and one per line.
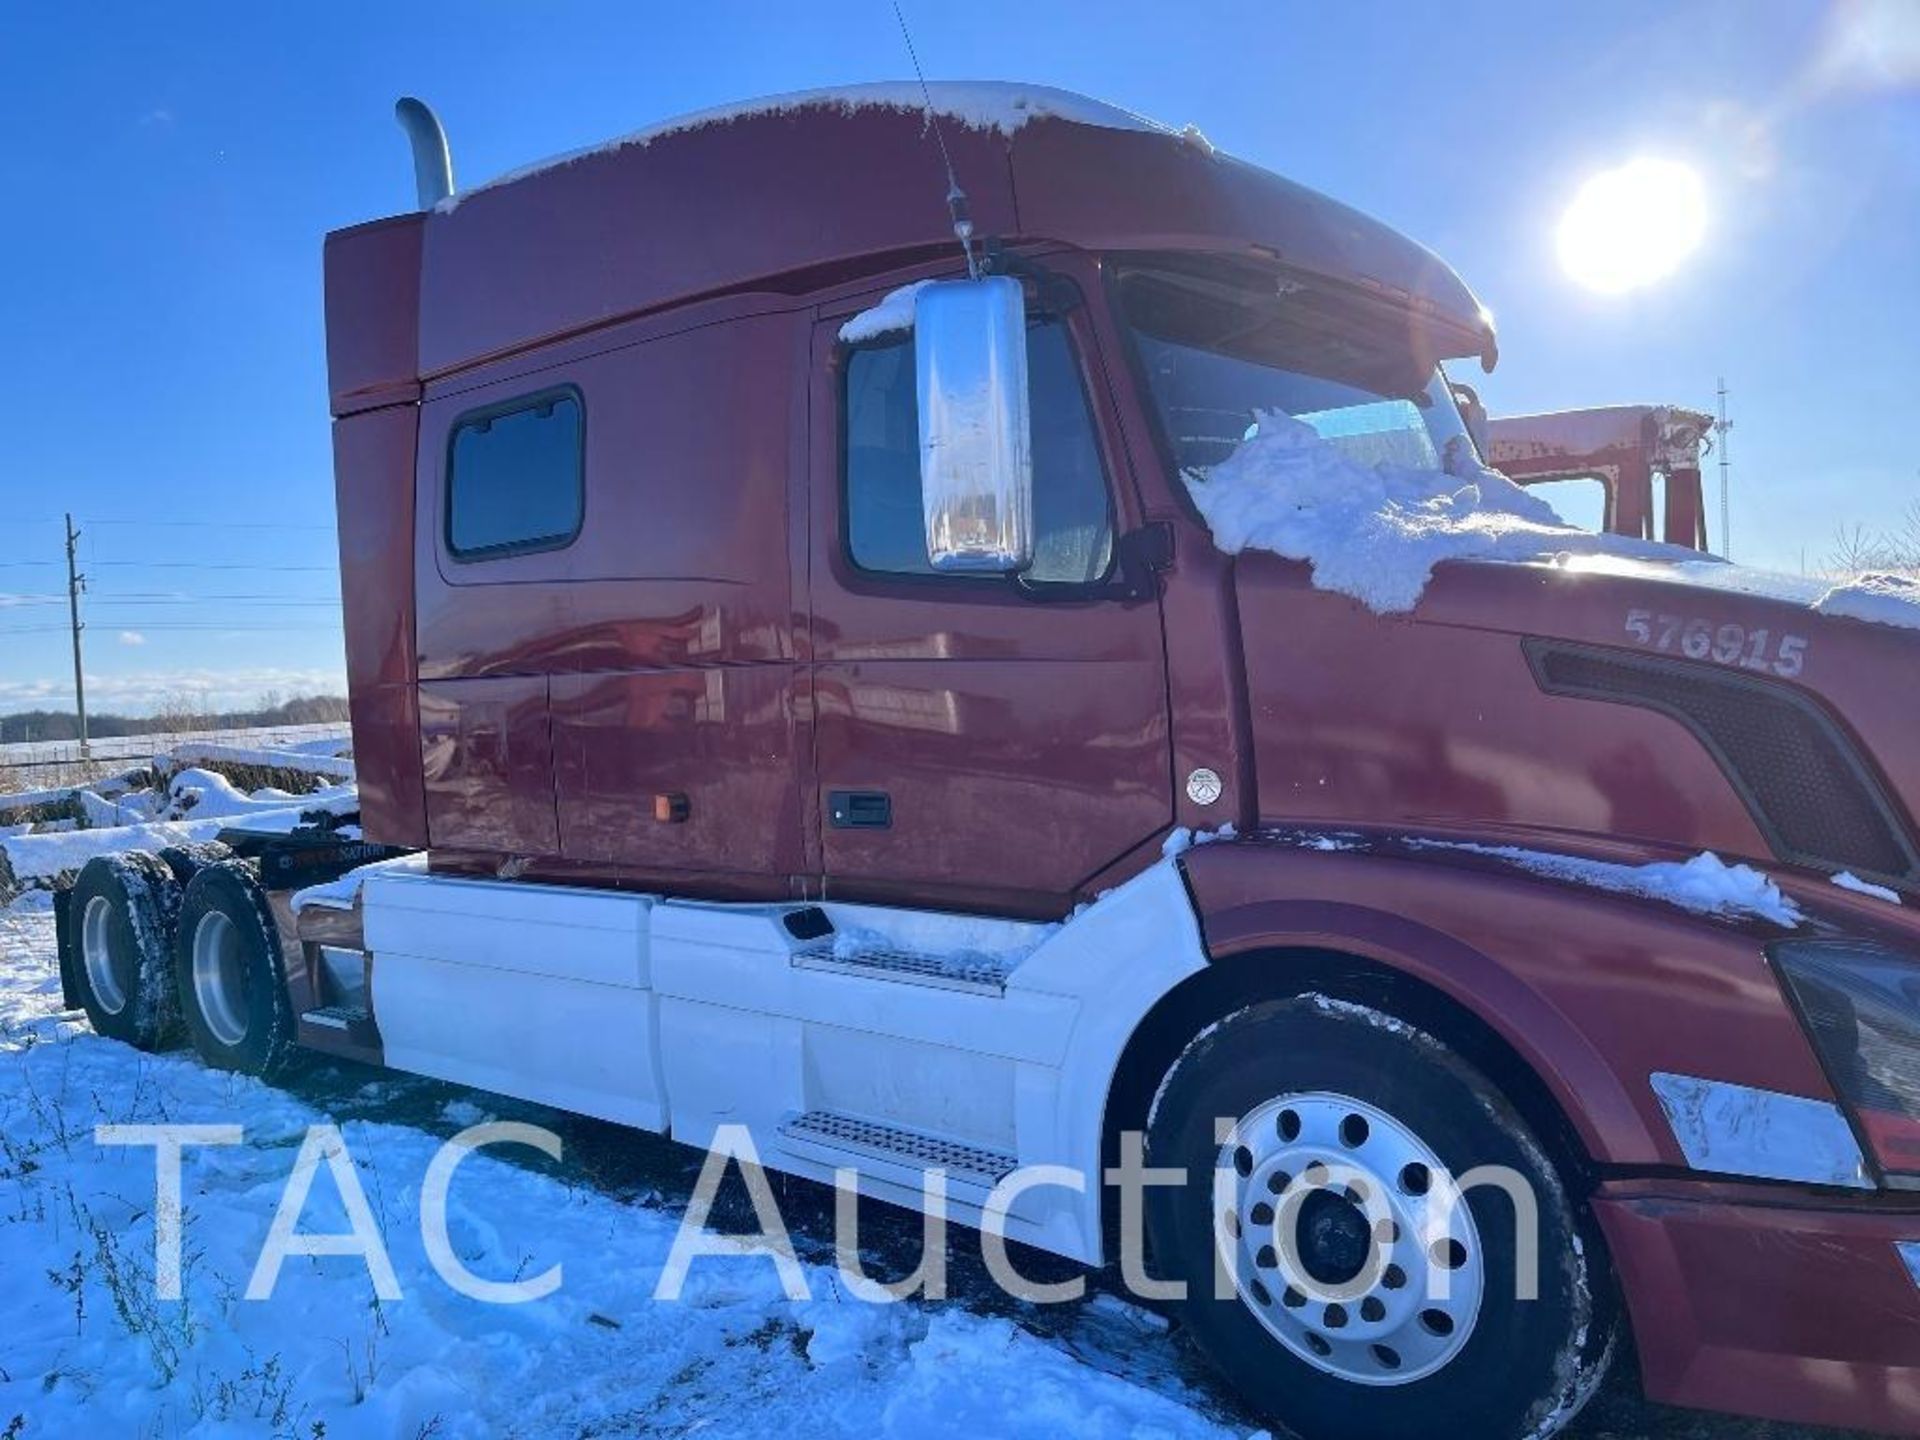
(319,739)
(88,1348)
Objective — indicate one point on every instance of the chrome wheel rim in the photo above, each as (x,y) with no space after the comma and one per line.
(107,973)
(1345,1235)
(220,978)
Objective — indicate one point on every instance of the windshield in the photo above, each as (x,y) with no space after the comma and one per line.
(1219,351)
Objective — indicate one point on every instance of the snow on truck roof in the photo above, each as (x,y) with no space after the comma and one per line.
(997,105)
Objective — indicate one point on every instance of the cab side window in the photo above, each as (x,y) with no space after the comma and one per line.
(516,476)
(885,531)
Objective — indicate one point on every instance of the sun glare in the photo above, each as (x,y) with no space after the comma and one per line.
(1634,225)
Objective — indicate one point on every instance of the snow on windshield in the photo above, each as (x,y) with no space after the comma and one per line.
(1376,530)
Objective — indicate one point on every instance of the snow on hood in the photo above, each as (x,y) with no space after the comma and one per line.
(1876,599)
(998,105)
(1375,532)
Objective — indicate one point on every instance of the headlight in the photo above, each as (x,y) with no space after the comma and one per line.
(1861,1006)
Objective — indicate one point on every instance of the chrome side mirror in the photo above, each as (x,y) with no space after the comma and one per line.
(976,447)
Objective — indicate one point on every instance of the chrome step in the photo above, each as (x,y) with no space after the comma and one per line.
(979,974)
(338,1017)
(912,1149)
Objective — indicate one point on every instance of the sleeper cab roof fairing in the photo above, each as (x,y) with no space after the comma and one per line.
(798,192)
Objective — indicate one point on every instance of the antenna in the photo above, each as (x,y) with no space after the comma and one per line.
(956,197)
(1721,427)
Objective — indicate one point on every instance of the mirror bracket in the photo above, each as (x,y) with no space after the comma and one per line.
(1139,557)
(1057,294)
(1142,554)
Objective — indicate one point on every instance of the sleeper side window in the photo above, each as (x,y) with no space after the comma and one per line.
(885,529)
(516,476)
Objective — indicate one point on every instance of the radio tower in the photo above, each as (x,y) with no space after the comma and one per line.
(1720,429)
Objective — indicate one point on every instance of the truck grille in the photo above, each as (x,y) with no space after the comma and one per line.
(1810,792)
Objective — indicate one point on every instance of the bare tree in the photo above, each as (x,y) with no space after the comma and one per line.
(179,711)
(1895,551)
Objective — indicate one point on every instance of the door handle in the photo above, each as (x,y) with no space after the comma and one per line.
(860,809)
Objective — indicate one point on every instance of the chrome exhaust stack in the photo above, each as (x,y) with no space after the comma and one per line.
(432,160)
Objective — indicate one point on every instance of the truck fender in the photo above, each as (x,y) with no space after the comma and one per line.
(1594,989)
(1149,964)
(1587,1090)
(1519,955)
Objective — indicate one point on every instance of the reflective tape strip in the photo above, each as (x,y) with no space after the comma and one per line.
(1738,1130)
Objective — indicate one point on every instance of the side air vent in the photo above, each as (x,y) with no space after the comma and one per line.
(1806,785)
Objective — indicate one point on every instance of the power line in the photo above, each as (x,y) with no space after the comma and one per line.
(170,626)
(74,582)
(210,565)
(1722,426)
(122,608)
(214,524)
(126,597)
(121,600)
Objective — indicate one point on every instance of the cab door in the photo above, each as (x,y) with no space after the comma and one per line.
(980,741)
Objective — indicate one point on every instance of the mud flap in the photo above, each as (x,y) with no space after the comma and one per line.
(63,946)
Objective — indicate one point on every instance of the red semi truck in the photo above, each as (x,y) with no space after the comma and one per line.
(802,657)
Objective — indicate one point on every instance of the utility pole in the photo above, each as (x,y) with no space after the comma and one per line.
(1721,427)
(75,581)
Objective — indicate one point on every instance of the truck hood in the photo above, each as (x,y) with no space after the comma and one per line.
(1658,699)
(1653,692)
(1678,633)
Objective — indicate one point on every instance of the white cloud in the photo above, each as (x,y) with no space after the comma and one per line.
(137,692)
(1871,44)
(132,637)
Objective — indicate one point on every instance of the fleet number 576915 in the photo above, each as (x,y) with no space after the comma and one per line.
(1698,638)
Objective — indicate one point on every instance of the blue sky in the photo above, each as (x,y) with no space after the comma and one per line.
(171,169)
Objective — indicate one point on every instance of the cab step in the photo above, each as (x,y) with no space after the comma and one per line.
(338,1017)
(837,1137)
(348,1031)
(974,973)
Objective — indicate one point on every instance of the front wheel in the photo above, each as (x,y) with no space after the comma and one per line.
(1337,1269)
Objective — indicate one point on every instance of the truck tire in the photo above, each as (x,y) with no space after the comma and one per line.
(1389,1313)
(121,914)
(192,856)
(230,974)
